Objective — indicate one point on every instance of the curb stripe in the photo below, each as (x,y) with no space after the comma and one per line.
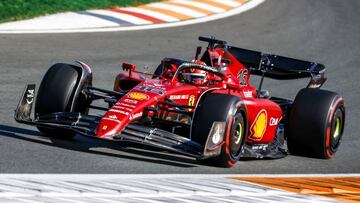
(106,17)
(167,12)
(241,1)
(230,3)
(139,15)
(157,188)
(344,188)
(186,11)
(170,13)
(201,10)
(154,14)
(125,17)
(220,4)
(202,5)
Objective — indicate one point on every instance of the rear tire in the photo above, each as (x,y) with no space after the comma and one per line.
(221,107)
(56,94)
(316,123)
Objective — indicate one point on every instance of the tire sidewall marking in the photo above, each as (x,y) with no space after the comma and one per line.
(328,126)
(237,108)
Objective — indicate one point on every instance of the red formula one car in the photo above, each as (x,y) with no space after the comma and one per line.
(204,108)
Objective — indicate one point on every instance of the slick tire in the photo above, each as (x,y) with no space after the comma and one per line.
(56,94)
(221,107)
(316,123)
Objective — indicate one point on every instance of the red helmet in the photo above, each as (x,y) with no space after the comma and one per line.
(194,76)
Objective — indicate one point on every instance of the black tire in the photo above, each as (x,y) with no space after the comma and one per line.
(56,94)
(221,107)
(316,123)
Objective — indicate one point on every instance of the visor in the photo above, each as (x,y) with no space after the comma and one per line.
(193,76)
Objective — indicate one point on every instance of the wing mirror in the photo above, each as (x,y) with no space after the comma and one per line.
(129,67)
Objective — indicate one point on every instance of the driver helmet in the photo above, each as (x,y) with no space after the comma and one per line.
(195,76)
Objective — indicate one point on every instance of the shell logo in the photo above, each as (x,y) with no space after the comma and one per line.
(258,128)
(138,96)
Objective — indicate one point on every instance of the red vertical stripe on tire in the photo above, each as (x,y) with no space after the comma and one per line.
(139,15)
(328,129)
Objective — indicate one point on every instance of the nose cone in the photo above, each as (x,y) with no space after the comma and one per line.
(109,127)
(128,109)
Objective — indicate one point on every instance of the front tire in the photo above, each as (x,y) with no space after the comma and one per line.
(56,94)
(221,107)
(316,123)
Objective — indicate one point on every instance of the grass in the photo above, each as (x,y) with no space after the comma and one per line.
(11,10)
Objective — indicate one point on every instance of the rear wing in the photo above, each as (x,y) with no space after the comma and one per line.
(279,67)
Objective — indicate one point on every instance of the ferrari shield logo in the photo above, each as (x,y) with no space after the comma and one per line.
(191,100)
(258,128)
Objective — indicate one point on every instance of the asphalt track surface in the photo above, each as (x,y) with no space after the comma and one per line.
(322,31)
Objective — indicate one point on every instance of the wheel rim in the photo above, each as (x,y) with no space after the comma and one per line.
(337,128)
(238,133)
(237,137)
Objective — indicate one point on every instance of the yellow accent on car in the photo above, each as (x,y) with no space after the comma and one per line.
(138,95)
(259,125)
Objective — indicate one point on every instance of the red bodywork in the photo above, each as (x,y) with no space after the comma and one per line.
(263,115)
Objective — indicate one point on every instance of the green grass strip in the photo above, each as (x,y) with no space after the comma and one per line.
(11,10)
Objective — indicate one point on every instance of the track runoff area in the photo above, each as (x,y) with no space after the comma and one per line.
(179,188)
(171,13)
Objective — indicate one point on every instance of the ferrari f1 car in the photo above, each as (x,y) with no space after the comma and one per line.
(203,108)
